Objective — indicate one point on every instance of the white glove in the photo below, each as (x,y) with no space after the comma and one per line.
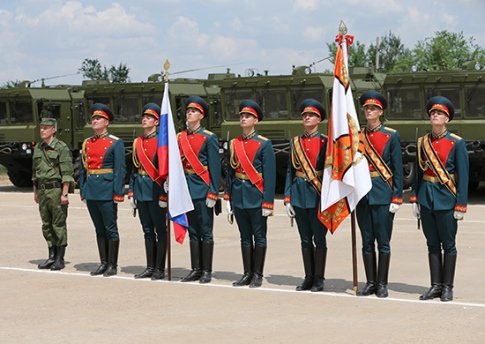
(229,212)
(132,202)
(228,208)
(416,211)
(162,204)
(458,215)
(165,186)
(210,203)
(289,210)
(267,212)
(394,207)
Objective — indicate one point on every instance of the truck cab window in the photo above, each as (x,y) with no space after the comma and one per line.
(21,112)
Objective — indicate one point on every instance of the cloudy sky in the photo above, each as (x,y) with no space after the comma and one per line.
(50,38)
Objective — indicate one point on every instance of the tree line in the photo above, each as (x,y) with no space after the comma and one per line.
(444,51)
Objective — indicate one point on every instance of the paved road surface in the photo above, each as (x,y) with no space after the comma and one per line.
(73,307)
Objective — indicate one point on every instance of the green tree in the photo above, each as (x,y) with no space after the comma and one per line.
(120,73)
(93,70)
(391,53)
(357,54)
(16,83)
(445,51)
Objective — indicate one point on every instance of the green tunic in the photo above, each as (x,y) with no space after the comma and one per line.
(51,167)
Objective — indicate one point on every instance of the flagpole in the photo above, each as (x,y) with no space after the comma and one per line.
(354,253)
(166,67)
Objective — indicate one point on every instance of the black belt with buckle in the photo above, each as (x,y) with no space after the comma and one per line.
(49,185)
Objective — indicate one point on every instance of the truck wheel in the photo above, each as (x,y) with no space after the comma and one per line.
(77,168)
(408,172)
(20,179)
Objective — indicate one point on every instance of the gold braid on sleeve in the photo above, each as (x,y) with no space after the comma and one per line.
(421,161)
(294,161)
(233,160)
(134,157)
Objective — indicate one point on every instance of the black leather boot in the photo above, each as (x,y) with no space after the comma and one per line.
(259,256)
(370,273)
(113,248)
(207,252)
(159,273)
(436,269)
(308,265)
(195,274)
(247,258)
(449,266)
(103,255)
(320,262)
(150,251)
(59,262)
(46,264)
(383,275)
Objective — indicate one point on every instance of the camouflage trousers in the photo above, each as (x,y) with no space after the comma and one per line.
(53,216)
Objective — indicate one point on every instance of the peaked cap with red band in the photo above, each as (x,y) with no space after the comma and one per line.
(197,103)
(151,109)
(101,110)
(249,106)
(441,103)
(311,105)
(373,98)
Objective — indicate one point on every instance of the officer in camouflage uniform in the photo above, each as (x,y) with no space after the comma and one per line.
(52,171)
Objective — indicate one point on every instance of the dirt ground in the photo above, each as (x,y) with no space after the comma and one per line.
(73,307)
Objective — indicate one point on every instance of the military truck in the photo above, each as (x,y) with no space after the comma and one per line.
(22,107)
(279,97)
(407,94)
(20,111)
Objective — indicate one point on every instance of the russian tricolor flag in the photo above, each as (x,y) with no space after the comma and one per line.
(170,167)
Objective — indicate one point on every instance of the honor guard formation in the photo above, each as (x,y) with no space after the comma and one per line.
(439,193)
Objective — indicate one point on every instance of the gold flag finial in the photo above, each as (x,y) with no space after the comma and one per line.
(342,29)
(166,67)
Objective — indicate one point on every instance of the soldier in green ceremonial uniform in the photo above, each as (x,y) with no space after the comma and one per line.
(52,172)
(440,195)
(250,191)
(199,151)
(302,193)
(147,195)
(102,185)
(376,210)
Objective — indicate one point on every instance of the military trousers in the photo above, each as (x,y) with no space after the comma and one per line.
(201,222)
(153,220)
(252,226)
(439,228)
(375,223)
(104,215)
(53,215)
(312,231)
